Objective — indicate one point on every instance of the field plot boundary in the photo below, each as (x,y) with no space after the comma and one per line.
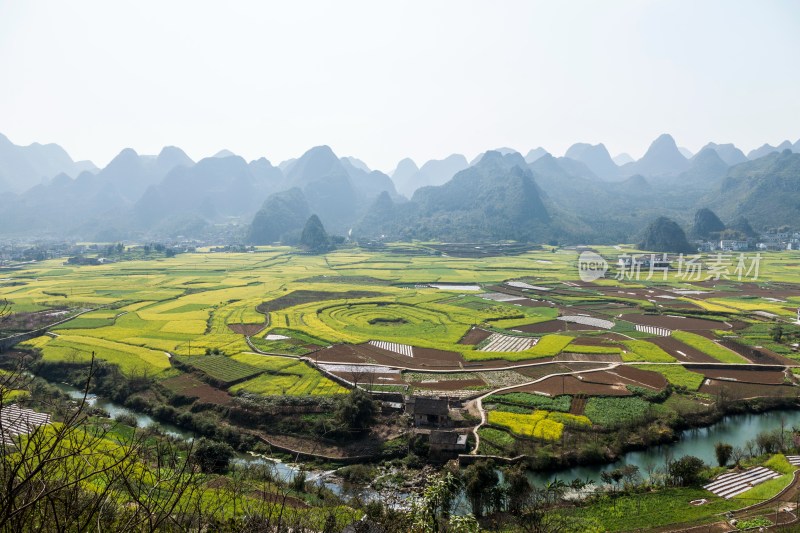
(501,297)
(498,342)
(653,330)
(587,320)
(220,368)
(402,349)
(734,483)
(18,421)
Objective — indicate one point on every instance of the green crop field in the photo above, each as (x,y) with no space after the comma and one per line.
(220,368)
(709,347)
(496,436)
(133,360)
(533,401)
(143,312)
(591,349)
(677,375)
(539,424)
(641,350)
(284,376)
(615,412)
(163,319)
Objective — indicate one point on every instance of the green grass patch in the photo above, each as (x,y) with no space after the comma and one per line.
(314,384)
(284,376)
(779,463)
(766,490)
(654,509)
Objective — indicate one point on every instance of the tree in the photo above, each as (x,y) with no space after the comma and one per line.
(686,471)
(737,454)
(357,410)
(750,446)
(540,511)
(613,476)
(432,510)
(517,487)
(480,479)
(777,333)
(630,474)
(769,441)
(74,475)
(724,452)
(212,457)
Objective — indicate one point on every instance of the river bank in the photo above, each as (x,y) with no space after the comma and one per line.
(734,429)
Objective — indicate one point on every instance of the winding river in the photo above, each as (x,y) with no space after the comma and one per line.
(281,470)
(735,430)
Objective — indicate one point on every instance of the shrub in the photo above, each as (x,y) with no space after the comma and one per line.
(127,419)
(211,456)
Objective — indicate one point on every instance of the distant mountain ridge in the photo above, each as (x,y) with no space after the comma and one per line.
(596,158)
(767,149)
(495,199)
(23,167)
(765,191)
(433,172)
(663,158)
(584,196)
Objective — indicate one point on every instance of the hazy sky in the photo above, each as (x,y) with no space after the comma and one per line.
(385,80)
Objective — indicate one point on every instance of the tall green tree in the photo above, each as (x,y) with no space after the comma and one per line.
(517,487)
(686,471)
(777,333)
(480,481)
(723,452)
(357,410)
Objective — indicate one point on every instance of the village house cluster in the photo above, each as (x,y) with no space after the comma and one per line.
(769,241)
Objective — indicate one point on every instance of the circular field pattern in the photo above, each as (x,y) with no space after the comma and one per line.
(392,321)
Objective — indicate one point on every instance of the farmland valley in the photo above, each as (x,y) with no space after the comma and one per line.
(371,368)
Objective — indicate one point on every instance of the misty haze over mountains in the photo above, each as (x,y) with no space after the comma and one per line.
(585,196)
